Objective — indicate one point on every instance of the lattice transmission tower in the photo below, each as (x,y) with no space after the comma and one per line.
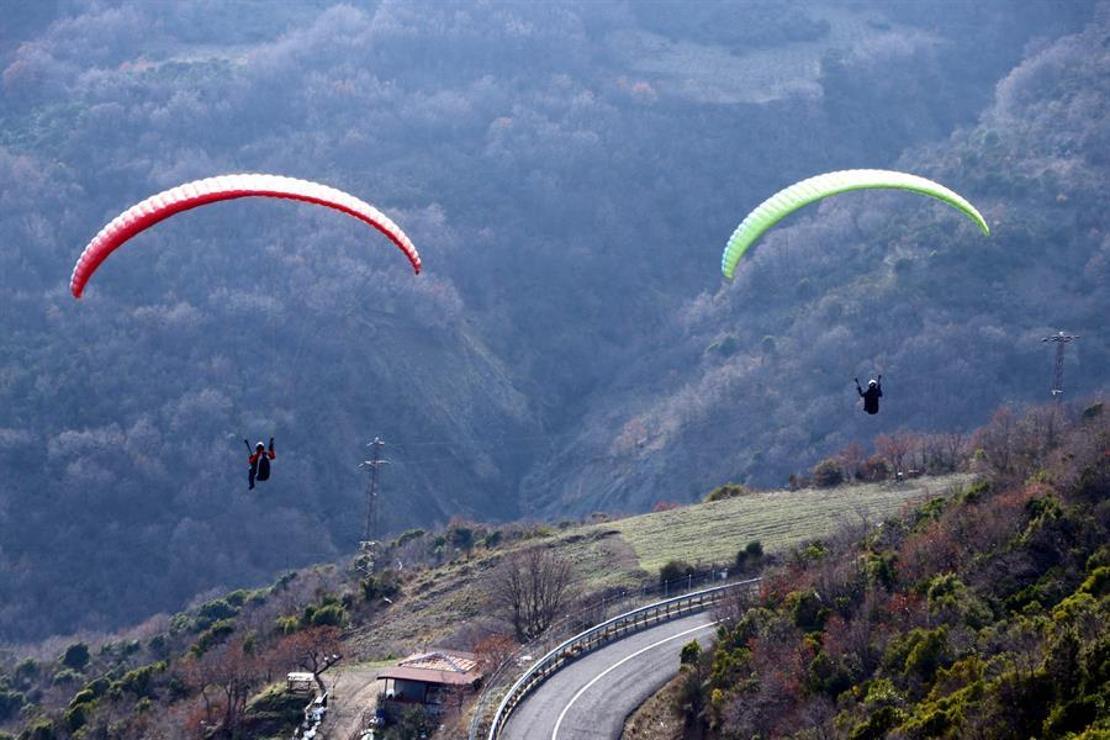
(1061,340)
(373,466)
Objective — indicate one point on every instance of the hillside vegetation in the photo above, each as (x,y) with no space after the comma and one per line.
(982,615)
(420,589)
(569,172)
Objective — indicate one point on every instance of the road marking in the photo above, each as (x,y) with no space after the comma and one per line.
(618,664)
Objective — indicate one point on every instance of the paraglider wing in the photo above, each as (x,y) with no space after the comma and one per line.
(201,192)
(800,194)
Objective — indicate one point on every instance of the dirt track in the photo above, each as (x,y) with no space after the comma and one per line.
(354,690)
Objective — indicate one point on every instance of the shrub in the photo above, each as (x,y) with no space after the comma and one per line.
(883,705)
(288,625)
(10,703)
(828,676)
(807,610)
(750,555)
(238,597)
(975,492)
(76,656)
(928,512)
(64,676)
(140,680)
(181,622)
(691,651)
(408,536)
(462,538)
(797,482)
(411,721)
(384,585)
(333,615)
(284,580)
(214,634)
(98,686)
(39,729)
(727,491)
(674,570)
(214,611)
(874,469)
(84,696)
(918,652)
(275,707)
(827,474)
(948,597)
(158,645)
(879,568)
(1098,583)
(810,552)
(26,671)
(76,717)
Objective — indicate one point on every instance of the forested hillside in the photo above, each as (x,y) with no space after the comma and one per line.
(569,172)
(984,615)
(750,376)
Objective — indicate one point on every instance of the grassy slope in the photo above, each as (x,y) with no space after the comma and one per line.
(714,532)
(437,602)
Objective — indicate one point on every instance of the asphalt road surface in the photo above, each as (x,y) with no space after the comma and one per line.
(593,696)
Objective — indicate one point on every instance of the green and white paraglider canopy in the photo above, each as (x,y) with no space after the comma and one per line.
(800,194)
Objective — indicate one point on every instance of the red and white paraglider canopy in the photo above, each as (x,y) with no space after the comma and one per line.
(158,207)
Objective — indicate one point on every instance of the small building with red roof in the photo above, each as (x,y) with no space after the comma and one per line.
(431,678)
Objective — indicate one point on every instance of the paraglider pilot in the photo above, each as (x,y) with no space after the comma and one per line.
(259,462)
(872,395)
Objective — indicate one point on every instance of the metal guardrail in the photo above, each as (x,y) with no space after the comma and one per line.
(603,634)
(591,613)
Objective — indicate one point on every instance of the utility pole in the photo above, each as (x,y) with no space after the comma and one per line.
(1062,340)
(373,465)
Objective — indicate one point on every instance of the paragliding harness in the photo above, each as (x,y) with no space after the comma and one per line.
(872,395)
(259,462)
(263,469)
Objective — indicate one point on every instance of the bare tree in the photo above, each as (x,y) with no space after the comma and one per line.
(851,459)
(735,604)
(494,651)
(230,673)
(996,441)
(930,453)
(894,448)
(529,588)
(315,650)
(955,446)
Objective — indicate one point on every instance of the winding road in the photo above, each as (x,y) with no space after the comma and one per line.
(592,697)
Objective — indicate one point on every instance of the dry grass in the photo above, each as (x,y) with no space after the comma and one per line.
(712,533)
(445,605)
(440,604)
(656,718)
